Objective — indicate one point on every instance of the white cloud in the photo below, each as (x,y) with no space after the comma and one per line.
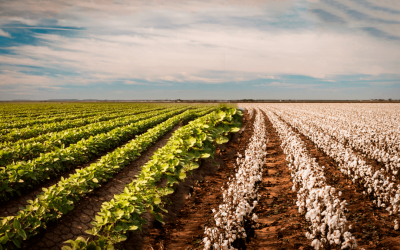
(4,33)
(203,48)
(192,41)
(129,82)
(287,85)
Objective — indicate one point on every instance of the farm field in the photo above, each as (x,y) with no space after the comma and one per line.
(179,176)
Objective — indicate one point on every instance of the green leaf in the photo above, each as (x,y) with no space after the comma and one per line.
(119,214)
(3,240)
(95,180)
(157,200)
(205,155)
(133,228)
(235,129)
(99,219)
(191,141)
(22,233)
(159,218)
(182,175)
(17,242)
(221,140)
(91,246)
(16,224)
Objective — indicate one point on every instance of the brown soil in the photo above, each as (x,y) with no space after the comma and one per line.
(78,220)
(280,226)
(371,226)
(185,229)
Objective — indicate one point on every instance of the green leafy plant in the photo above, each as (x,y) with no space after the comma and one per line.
(181,155)
(59,199)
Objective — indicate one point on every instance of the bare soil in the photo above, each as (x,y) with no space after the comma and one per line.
(280,226)
(185,230)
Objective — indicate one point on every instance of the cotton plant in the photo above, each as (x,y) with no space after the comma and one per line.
(371,140)
(376,183)
(240,197)
(318,201)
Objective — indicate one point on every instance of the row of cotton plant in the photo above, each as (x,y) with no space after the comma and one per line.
(240,197)
(374,132)
(385,192)
(317,200)
(374,143)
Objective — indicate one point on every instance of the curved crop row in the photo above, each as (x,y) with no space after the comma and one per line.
(354,133)
(13,135)
(240,197)
(386,194)
(10,113)
(7,120)
(59,199)
(27,174)
(20,123)
(28,149)
(317,200)
(172,162)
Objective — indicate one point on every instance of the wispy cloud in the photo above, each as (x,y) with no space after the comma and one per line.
(379,19)
(288,85)
(158,45)
(5,34)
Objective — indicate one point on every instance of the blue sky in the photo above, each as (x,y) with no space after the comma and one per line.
(222,49)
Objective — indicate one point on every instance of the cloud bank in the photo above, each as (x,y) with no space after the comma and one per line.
(51,46)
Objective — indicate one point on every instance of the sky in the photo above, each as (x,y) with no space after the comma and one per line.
(207,49)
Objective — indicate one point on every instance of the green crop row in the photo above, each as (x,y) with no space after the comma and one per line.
(70,113)
(59,199)
(172,162)
(20,123)
(28,149)
(13,112)
(46,137)
(9,119)
(12,135)
(24,175)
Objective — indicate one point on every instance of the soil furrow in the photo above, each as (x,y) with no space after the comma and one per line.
(372,227)
(279,225)
(185,229)
(78,220)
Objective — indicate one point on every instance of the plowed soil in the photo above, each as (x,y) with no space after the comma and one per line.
(186,231)
(280,226)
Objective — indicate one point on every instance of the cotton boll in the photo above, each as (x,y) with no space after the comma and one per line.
(316,244)
(254,218)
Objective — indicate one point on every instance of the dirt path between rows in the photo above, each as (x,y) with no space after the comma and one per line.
(280,226)
(78,220)
(185,230)
(372,227)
